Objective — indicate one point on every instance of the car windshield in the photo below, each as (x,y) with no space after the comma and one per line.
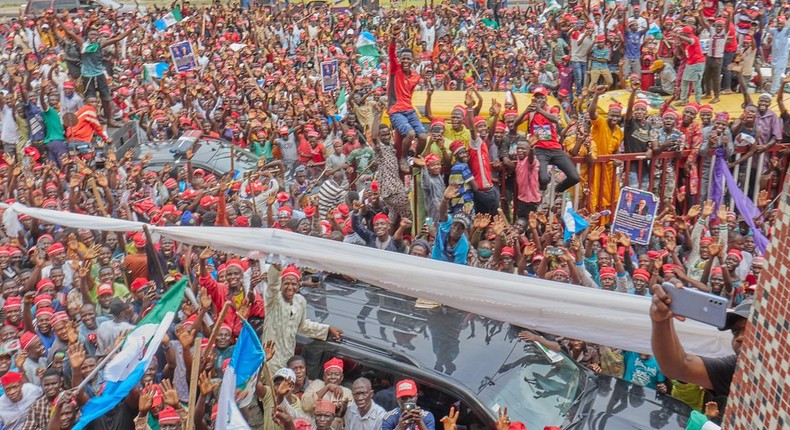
(244,160)
(537,385)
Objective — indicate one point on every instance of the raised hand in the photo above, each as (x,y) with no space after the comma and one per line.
(714,249)
(595,234)
(206,385)
(450,419)
(499,225)
(481,221)
(206,253)
(269,349)
(707,208)
(611,246)
(451,192)
(693,212)
(146,400)
(763,199)
(186,335)
(533,220)
(722,213)
(77,355)
(503,423)
(169,394)
(205,299)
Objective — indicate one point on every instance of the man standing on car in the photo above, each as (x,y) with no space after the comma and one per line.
(713,374)
(407,416)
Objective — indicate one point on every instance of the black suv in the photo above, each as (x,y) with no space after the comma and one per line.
(461,358)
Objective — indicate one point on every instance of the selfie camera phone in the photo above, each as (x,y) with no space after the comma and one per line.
(697,305)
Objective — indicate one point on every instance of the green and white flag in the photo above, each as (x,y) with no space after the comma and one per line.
(169,20)
(698,421)
(342,105)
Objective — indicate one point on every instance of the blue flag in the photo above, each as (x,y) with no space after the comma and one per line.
(574,223)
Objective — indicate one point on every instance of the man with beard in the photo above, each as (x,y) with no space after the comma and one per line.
(41,409)
(363,413)
(16,401)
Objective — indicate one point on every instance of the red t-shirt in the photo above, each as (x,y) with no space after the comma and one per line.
(400,87)
(546,132)
(732,42)
(694,53)
(709,8)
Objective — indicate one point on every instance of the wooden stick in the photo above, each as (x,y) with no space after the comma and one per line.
(97,196)
(99,366)
(217,325)
(193,384)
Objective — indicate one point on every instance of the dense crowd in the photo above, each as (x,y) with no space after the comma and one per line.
(485,188)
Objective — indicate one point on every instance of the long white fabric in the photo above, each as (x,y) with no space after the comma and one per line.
(602,317)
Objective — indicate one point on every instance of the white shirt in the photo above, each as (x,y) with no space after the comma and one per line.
(108,332)
(12,415)
(371,421)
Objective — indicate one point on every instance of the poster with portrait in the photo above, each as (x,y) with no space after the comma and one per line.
(184,57)
(330,79)
(636,210)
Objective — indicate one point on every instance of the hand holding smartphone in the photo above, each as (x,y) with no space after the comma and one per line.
(697,305)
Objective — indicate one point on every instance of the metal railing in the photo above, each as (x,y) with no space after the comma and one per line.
(749,175)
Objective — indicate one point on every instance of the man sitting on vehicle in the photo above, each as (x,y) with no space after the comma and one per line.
(407,416)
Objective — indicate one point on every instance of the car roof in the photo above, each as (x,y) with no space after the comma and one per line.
(417,331)
(209,153)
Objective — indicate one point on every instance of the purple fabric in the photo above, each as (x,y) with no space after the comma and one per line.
(745,206)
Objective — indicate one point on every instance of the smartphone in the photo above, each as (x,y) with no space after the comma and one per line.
(697,305)
(408,406)
(554,251)
(315,279)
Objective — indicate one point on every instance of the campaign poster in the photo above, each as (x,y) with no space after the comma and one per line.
(330,78)
(184,57)
(636,210)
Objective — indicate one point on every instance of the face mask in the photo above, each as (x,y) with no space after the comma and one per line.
(484,253)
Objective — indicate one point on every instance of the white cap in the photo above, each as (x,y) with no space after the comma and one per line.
(285,373)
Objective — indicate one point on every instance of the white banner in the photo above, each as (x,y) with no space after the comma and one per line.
(603,317)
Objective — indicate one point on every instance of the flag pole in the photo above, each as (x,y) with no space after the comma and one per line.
(193,384)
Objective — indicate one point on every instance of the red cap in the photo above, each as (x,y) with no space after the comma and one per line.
(138,283)
(46,282)
(104,289)
(405,388)
(44,312)
(333,362)
(735,253)
(282,196)
(607,272)
(456,146)
(26,339)
(506,250)
(641,274)
(242,221)
(55,249)
(11,378)
(168,415)
(381,217)
(42,301)
(291,271)
(12,303)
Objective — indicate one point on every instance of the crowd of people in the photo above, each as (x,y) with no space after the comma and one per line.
(357,164)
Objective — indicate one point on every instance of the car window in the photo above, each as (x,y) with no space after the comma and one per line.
(66,4)
(544,385)
(431,398)
(38,6)
(243,161)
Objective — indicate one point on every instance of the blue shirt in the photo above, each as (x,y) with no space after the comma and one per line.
(440,252)
(644,372)
(633,44)
(602,53)
(392,417)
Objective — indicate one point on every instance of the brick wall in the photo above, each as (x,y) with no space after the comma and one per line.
(760,391)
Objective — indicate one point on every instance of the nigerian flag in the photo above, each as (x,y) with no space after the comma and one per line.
(698,421)
(126,369)
(169,20)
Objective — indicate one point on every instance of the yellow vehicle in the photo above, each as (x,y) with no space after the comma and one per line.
(442,103)
(730,103)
